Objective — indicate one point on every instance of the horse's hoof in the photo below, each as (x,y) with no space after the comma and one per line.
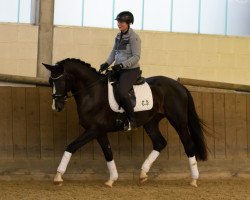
(109,183)
(58,179)
(143,180)
(58,183)
(143,177)
(194,183)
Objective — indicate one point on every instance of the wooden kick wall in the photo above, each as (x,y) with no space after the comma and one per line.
(33,137)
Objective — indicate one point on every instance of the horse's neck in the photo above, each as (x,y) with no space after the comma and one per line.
(84,90)
(84,76)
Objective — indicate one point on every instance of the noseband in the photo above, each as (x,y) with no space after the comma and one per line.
(56,96)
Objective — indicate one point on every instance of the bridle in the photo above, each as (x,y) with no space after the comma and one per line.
(56,96)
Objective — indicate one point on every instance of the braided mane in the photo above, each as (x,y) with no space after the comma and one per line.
(75,60)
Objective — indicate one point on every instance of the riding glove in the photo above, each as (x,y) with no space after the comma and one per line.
(117,67)
(104,66)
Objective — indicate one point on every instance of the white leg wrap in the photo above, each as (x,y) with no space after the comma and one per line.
(193,168)
(64,162)
(149,161)
(112,170)
(53,103)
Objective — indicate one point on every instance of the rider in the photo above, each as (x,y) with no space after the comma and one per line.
(126,54)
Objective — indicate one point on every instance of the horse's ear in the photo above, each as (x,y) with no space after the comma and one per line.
(48,67)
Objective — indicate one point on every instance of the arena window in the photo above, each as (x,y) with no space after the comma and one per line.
(224,17)
(18,11)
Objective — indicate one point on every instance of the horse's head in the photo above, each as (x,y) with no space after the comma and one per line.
(59,81)
(66,75)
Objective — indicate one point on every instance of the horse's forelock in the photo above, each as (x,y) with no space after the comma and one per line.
(58,69)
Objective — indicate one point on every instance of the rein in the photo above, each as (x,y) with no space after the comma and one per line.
(66,96)
(88,86)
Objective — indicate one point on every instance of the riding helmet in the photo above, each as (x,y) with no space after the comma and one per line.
(125,16)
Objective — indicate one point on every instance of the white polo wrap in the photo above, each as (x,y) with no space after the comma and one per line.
(193,168)
(64,162)
(149,161)
(112,170)
(53,106)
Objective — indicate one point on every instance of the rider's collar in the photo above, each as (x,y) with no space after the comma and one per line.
(125,31)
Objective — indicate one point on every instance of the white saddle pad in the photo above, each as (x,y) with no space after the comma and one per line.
(144,98)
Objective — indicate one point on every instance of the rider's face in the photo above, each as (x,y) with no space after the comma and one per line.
(123,26)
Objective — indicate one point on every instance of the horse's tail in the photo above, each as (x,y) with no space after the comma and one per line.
(196,129)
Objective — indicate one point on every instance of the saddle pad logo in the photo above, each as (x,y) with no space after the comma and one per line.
(144,102)
(144,98)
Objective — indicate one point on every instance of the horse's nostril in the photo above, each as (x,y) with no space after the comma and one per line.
(59,106)
(58,109)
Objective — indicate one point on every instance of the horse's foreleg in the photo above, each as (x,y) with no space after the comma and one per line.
(113,173)
(105,145)
(62,168)
(83,139)
(159,143)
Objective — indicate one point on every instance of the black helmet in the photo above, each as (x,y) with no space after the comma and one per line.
(125,16)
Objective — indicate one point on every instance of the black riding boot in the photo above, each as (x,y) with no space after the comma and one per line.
(127,106)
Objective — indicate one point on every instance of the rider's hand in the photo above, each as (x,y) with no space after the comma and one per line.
(103,67)
(117,67)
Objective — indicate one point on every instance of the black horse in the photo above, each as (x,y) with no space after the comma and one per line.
(90,89)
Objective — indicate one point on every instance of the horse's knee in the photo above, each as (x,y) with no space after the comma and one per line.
(73,147)
(160,145)
(108,154)
(70,149)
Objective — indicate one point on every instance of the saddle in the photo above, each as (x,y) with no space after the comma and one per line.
(140,81)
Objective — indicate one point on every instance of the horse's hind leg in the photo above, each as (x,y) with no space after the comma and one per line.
(186,139)
(159,143)
(188,144)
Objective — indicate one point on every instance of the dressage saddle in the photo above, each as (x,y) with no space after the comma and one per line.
(140,80)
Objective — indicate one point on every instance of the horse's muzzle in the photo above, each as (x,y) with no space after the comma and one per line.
(59,105)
